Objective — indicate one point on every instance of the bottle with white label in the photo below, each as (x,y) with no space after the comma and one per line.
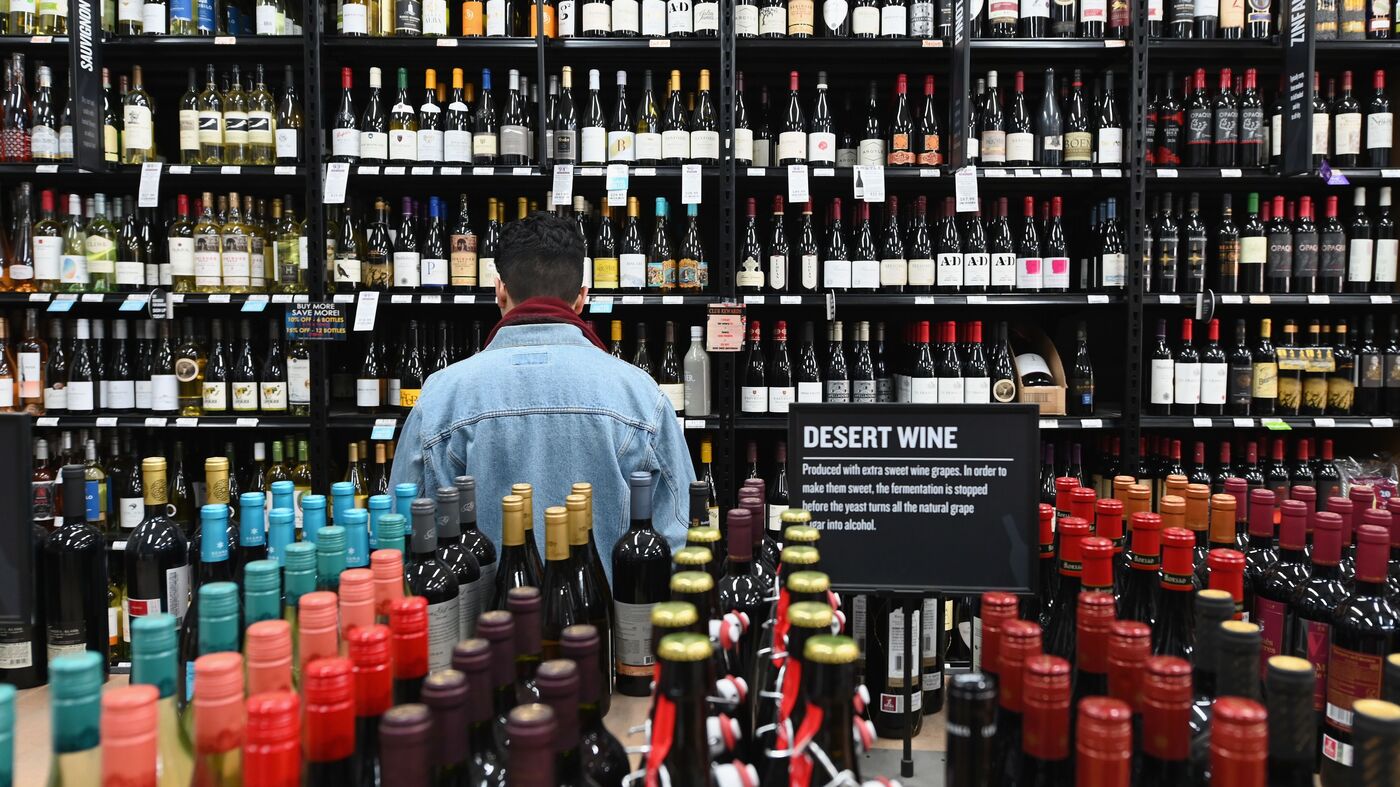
(641,563)
(427,576)
(753,393)
(1161,380)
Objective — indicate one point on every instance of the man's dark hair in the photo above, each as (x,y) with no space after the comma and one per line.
(541,255)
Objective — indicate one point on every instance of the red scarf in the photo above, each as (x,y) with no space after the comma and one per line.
(544,310)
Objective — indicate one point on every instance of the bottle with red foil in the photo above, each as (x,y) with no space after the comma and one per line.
(408,624)
(994,611)
(1348,511)
(405,746)
(128,730)
(1227,574)
(387,567)
(1139,599)
(1288,691)
(1393,585)
(269,646)
(1046,725)
(1313,605)
(1129,645)
(1037,607)
(1365,628)
(1281,581)
(1259,553)
(1103,743)
(1095,615)
(328,688)
(1020,641)
(318,635)
(1237,488)
(1108,523)
(497,627)
(1059,630)
(445,694)
(558,682)
(272,740)
(1239,745)
(1166,710)
(473,658)
(1173,630)
(218,718)
(374,694)
(604,758)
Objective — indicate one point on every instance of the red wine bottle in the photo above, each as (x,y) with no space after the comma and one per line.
(1166,710)
(1314,603)
(1173,629)
(1020,642)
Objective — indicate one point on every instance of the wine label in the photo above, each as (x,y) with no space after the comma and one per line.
(406,269)
(801,18)
(950,390)
(1348,130)
(863,391)
(632,638)
(838,391)
(621,145)
(354,19)
(950,270)
(753,399)
(632,271)
(1079,146)
(78,396)
(594,149)
(836,274)
(1187,383)
(215,396)
(924,390)
(894,21)
(374,145)
(1003,269)
(894,272)
(704,144)
(772,21)
(976,269)
(921,272)
(1020,146)
(750,273)
(648,145)
(1320,128)
(809,392)
(1114,269)
(865,21)
(403,145)
(1161,381)
(977,390)
(120,394)
(1029,273)
(244,395)
(430,147)
(792,146)
(777,271)
(1313,639)
(1214,380)
(1387,250)
(1380,128)
(678,17)
(1305,254)
(779,397)
(865,274)
(444,631)
(675,144)
(1332,255)
(1110,146)
(746,20)
(821,147)
(871,152)
(1265,381)
(434,272)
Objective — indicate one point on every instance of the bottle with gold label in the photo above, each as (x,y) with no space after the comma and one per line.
(208,255)
(411,369)
(486,257)
(1265,393)
(462,259)
(190,358)
(1314,377)
(1341,383)
(605,252)
(235,238)
(1290,381)
(111,121)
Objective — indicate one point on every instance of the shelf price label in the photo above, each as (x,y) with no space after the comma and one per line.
(617,184)
(869,181)
(690,184)
(337,173)
(965,189)
(797,188)
(148,192)
(562,192)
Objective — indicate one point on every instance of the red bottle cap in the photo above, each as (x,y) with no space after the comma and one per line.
(1097,558)
(1146,554)
(387,566)
(1166,708)
(1064,488)
(128,731)
(329,688)
(1096,612)
(1178,544)
(741,525)
(1372,553)
(498,628)
(1239,489)
(1393,506)
(269,647)
(1239,742)
(408,621)
(1073,531)
(1293,525)
(374,678)
(1081,503)
(1348,511)
(1129,642)
(1261,512)
(1226,568)
(1046,513)
(997,610)
(1362,496)
(1108,521)
(356,599)
(1103,743)
(272,753)
(1020,640)
(1045,726)
(1327,539)
(218,703)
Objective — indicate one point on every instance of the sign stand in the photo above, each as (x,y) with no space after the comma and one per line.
(906,763)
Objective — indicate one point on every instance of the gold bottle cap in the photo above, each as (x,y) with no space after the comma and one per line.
(807,582)
(702,535)
(693,556)
(810,615)
(796,516)
(674,615)
(831,649)
(683,647)
(802,534)
(800,556)
(691,582)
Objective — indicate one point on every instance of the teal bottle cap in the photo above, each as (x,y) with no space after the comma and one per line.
(7,707)
(251,500)
(262,576)
(299,576)
(342,488)
(217,511)
(281,516)
(75,690)
(355,517)
(218,618)
(153,643)
(283,488)
(218,599)
(391,526)
(380,502)
(406,490)
(313,502)
(301,556)
(332,539)
(75,676)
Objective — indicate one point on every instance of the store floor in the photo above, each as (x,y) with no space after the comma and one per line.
(32,740)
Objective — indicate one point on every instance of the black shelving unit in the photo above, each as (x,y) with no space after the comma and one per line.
(955,64)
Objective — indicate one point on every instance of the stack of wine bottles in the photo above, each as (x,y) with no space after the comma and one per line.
(1230,130)
(953,365)
(144,366)
(906,251)
(1346,134)
(561,19)
(1338,22)
(1256,21)
(1088,131)
(1326,372)
(159,18)
(227,245)
(1280,246)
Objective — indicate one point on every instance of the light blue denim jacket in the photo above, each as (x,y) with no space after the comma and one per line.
(542,405)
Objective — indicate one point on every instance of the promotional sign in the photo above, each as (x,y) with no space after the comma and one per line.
(315,322)
(85,69)
(918,497)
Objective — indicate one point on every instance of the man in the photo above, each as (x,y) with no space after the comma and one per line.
(544,403)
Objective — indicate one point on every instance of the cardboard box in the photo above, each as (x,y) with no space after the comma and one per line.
(1050,398)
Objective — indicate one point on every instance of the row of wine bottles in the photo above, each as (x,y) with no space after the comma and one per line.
(231,244)
(906,251)
(949,366)
(78,368)
(1072,127)
(557,18)
(1281,246)
(160,17)
(1326,372)
(237,120)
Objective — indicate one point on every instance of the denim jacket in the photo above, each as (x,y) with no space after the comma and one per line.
(542,405)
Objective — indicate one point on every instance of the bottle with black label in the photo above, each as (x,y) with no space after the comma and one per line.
(1278,268)
(1002,373)
(1305,249)
(838,377)
(1200,118)
(1253,147)
(1241,371)
(1331,250)
(1194,276)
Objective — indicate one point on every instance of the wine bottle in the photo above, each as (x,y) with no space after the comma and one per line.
(641,569)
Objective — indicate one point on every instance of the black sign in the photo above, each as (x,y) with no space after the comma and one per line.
(919,497)
(17,526)
(323,322)
(85,68)
(1296,21)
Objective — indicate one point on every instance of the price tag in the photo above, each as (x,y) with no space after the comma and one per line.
(430,299)
(176,297)
(1324,423)
(1081,173)
(394,170)
(1231,299)
(367,170)
(690,184)
(672,300)
(1382,299)
(284,170)
(1231,173)
(965,189)
(464,299)
(483,171)
(1319,299)
(41,39)
(1049,423)
(421,170)
(1113,173)
(342,297)
(562,192)
(179,169)
(659,43)
(45,169)
(869,182)
(221,297)
(645,172)
(616,184)
(133,303)
(1275,425)
(186,422)
(1052,173)
(246,422)
(254,306)
(1114,43)
(1390,173)
(1091,423)
(797,191)
(757,172)
(148,191)
(790,300)
(1166,173)
(924,300)
(92,297)
(1244,423)
(283,297)
(757,300)
(522,171)
(600,304)
(1026,173)
(824,172)
(976,299)
(366,306)
(39,297)
(447,42)
(452,171)
(383,429)
(401,299)
(930,172)
(118,546)
(931,43)
(337,172)
(1201,423)
(61,305)
(994,173)
(1167,298)
(694,423)
(46,421)
(156,422)
(303,298)
(1098,299)
(591,172)
(1383,423)
(106,421)
(633,300)
(1260,299)
(230,169)
(225,40)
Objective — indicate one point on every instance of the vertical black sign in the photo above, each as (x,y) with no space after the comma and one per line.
(920,497)
(960,89)
(1296,24)
(85,66)
(16,526)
